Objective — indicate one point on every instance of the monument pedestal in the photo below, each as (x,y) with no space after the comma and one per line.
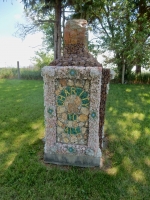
(75,90)
(74,160)
(72,101)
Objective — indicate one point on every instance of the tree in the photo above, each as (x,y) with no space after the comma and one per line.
(38,20)
(121,26)
(40,9)
(42,59)
(56,8)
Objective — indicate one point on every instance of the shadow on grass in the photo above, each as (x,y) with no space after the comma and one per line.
(25,176)
(127,122)
(21,117)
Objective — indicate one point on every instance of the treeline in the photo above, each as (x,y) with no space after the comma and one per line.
(119,26)
(35,74)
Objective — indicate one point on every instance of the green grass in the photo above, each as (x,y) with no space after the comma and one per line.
(23,175)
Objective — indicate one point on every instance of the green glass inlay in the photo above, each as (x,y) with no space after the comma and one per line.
(85,101)
(63,93)
(84,95)
(73,91)
(50,111)
(79,91)
(93,115)
(60,103)
(70,149)
(78,129)
(72,117)
(72,72)
(70,130)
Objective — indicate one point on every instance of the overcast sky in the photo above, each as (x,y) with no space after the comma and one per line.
(13,49)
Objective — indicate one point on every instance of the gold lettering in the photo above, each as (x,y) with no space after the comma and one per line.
(85,105)
(87,98)
(66,130)
(66,93)
(70,130)
(73,90)
(81,93)
(61,98)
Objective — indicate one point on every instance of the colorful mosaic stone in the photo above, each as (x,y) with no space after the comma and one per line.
(73,102)
(73,88)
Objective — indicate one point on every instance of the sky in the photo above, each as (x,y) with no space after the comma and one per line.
(13,49)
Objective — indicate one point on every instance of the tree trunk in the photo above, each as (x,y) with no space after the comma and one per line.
(119,66)
(138,69)
(63,26)
(57,30)
(123,72)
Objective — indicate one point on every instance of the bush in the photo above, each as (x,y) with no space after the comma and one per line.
(11,73)
(29,74)
(143,78)
(8,73)
(41,59)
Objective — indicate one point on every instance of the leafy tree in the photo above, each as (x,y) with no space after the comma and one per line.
(50,12)
(121,26)
(42,59)
(40,8)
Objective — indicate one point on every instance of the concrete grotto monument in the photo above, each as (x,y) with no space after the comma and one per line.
(75,90)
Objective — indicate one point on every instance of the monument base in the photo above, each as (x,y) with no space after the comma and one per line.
(74,160)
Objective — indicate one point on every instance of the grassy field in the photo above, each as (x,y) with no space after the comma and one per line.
(24,176)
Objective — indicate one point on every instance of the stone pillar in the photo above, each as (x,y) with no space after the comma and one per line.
(75,32)
(73,100)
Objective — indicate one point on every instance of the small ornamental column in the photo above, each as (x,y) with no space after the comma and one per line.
(72,99)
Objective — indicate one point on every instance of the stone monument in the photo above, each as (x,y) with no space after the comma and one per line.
(75,90)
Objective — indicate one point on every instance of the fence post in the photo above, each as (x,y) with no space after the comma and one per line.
(18,69)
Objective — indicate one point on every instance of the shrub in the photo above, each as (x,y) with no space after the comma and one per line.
(143,78)
(11,73)
(8,73)
(29,74)
(42,59)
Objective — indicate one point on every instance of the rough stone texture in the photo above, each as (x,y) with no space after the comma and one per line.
(75,32)
(74,117)
(106,75)
(75,47)
(76,54)
(75,93)
(58,139)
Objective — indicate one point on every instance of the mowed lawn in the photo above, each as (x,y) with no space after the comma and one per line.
(24,176)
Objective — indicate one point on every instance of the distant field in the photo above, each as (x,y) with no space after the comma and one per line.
(35,74)
(25,73)
(23,175)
